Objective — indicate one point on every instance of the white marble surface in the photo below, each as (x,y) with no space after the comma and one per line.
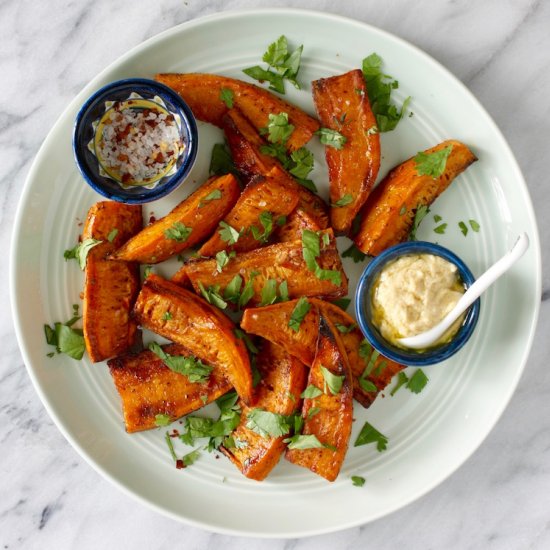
(51,498)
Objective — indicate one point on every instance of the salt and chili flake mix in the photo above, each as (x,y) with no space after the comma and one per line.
(137,141)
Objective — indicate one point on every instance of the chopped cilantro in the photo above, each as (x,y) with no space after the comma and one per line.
(367,385)
(369,434)
(432,164)
(463,228)
(440,229)
(269,292)
(278,128)
(311,392)
(112,235)
(285,63)
(358,481)
(167,316)
(379,88)
(403,210)
(178,232)
(212,295)
(311,251)
(313,411)
(300,310)
(333,381)
(190,458)
(229,234)
(232,291)
(266,219)
(345,329)
(474,225)
(417,382)
(331,138)
(221,161)
(214,195)
(162,420)
(283,292)
(437,218)
(227,96)
(420,214)
(194,369)
(222,259)
(302,442)
(267,424)
(242,335)
(303,163)
(344,201)
(66,339)
(342,303)
(80,251)
(248,291)
(402,379)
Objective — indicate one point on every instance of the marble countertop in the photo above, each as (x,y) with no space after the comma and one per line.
(51,498)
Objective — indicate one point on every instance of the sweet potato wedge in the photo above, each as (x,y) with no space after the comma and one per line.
(110,287)
(192,322)
(246,148)
(147,387)
(331,413)
(202,93)
(281,262)
(198,212)
(265,195)
(343,105)
(296,222)
(388,214)
(283,380)
(272,323)
(359,352)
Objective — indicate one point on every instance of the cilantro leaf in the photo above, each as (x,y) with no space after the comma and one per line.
(80,251)
(432,164)
(463,228)
(232,291)
(222,259)
(333,381)
(283,292)
(420,214)
(248,291)
(194,369)
(162,420)
(474,225)
(331,138)
(267,424)
(302,442)
(269,292)
(227,96)
(379,88)
(367,385)
(303,163)
(313,411)
(212,295)
(311,392)
(214,195)
(358,481)
(344,201)
(437,218)
(402,379)
(440,229)
(300,310)
(242,335)
(354,253)
(369,434)
(190,458)
(278,128)
(178,232)
(285,63)
(342,303)
(221,161)
(345,329)
(266,219)
(70,341)
(311,250)
(229,234)
(112,235)
(417,382)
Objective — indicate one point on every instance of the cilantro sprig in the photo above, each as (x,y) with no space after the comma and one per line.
(369,434)
(65,338)
(285,63)
(379,89)
(432,164)
(191,367)
(81,250)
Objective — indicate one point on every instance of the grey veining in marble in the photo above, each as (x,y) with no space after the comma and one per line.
(51,498)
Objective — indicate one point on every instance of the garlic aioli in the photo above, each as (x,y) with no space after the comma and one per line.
(414,293)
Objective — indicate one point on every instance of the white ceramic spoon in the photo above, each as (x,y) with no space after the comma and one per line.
(426,339)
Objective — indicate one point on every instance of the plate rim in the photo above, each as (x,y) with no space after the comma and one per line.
(146,44)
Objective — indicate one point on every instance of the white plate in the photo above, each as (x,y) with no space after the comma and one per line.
(430,434)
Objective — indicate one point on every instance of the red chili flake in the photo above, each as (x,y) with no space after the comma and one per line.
(174,433)
(152,218)
(179,464)
(126,177)
(159,157)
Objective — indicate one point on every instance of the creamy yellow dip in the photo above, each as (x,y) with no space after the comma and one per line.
(413,293)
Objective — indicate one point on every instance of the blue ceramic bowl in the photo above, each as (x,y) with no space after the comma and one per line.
(84,132)
(364,312)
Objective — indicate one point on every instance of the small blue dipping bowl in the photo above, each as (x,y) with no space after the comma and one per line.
(415,358)
(84,133)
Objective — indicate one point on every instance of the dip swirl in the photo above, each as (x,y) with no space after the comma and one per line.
(414,293)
